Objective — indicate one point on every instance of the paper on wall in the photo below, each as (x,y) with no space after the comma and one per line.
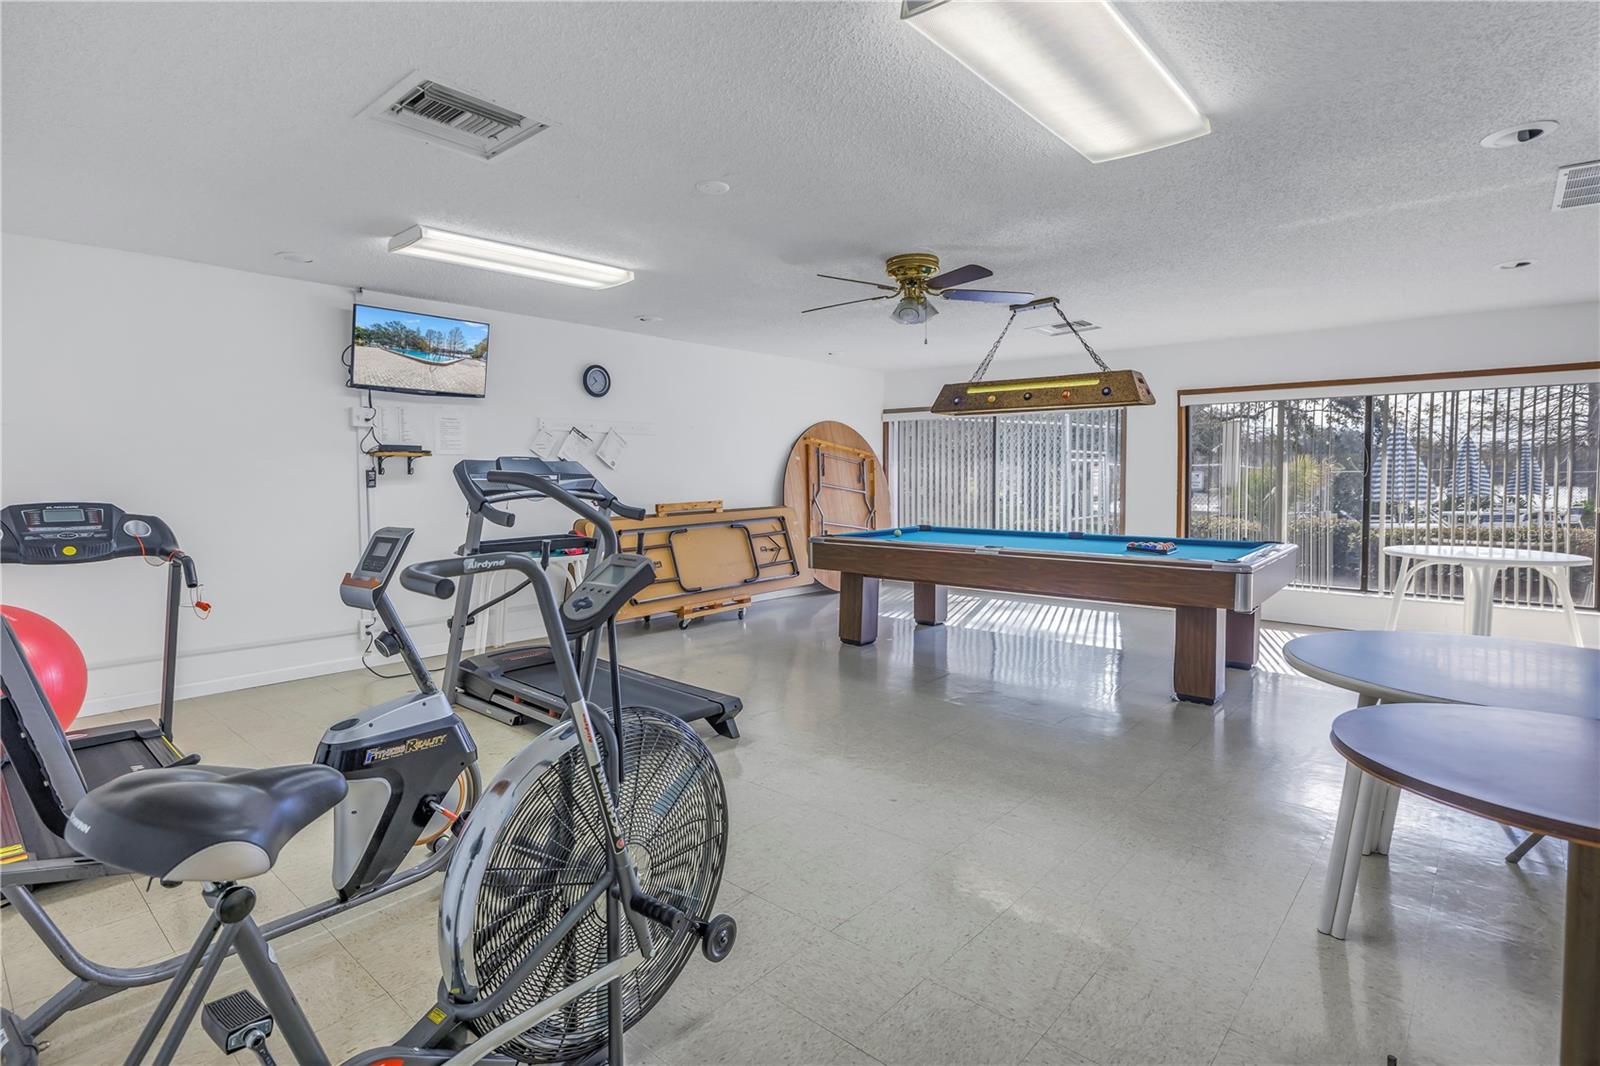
(610,450)
(575,445)
(403,424)
(544,443)
(450,433)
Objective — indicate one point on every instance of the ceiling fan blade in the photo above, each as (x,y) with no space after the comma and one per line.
(858,281)
(988,296)
(847,303)
(959,276)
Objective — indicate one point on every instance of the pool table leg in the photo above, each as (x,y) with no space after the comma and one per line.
(1242,639)
(932,603)
(858,609)
(1198,670)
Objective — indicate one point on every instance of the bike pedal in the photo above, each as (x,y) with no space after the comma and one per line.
(239,1022)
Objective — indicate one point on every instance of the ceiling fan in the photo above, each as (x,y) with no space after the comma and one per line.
(916,278)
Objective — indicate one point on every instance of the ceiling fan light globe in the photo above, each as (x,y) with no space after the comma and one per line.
(910,312)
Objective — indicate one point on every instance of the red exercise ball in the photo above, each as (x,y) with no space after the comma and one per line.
(56,659)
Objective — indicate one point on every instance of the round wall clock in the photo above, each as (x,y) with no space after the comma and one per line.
(596,380)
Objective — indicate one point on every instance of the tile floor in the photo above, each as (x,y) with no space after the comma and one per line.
(995,842)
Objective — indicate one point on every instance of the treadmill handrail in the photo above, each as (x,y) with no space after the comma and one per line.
(558,492)
(475,478)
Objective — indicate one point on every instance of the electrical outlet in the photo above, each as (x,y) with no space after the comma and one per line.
(361,417)
(372,478)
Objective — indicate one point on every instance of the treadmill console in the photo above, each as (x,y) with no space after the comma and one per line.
(606,591)
(72,532)
(372,574)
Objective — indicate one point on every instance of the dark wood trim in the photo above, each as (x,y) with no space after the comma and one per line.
(1438,375)
(907,410)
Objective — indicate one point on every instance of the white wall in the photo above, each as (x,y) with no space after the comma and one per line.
(216,399)
(1492,339)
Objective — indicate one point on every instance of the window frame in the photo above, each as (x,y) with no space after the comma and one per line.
(1185,401)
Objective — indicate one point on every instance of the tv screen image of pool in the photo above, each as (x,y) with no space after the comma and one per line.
(408,351)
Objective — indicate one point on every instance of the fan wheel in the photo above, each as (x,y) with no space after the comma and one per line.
(674,812)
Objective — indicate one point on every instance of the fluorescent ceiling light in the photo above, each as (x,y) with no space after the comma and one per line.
(1077,68)
(426,242)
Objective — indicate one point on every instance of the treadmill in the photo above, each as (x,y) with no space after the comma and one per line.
(518,684)
(68,534)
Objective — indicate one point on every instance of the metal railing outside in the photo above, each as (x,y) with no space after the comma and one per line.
(1344,476)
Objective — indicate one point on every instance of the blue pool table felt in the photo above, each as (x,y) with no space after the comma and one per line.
(1214,551)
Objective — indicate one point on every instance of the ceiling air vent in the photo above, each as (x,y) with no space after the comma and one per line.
(1058,329)
(1577,185)
(452,118)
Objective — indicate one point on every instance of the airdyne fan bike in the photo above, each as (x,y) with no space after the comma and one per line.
(575,892)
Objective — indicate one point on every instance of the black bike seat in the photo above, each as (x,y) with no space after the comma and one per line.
(200,823)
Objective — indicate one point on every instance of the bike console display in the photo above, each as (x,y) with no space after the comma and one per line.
(604,592)
(359,589)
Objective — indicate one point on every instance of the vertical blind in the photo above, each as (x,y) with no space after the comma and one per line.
(1045,471)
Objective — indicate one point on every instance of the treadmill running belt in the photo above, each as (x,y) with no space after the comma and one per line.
(526,677)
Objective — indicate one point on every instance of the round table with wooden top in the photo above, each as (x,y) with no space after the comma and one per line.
(1530,769)
(1389,667)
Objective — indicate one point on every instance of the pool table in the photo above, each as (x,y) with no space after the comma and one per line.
(1217,586)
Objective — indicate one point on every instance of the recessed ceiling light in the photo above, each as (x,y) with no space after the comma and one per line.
(711,188)
(1514,264)
(425,242)
(294,257)
(647,318)
(1077,69)
(1519,134)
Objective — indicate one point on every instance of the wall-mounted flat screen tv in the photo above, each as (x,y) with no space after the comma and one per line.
(407,351)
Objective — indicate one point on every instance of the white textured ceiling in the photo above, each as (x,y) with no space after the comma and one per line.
(1343,182)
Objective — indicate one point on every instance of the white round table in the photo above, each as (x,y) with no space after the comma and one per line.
(1481,564)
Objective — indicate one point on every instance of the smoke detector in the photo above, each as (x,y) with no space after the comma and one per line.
(1059,329)
(452,118)
(1577,185)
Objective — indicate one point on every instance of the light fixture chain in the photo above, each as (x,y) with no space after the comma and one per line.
(983,367)
(1099,362)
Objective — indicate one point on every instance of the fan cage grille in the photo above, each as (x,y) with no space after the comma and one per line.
(674,813)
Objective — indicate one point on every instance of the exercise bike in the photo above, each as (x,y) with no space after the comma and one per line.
(409,765)
(576,890)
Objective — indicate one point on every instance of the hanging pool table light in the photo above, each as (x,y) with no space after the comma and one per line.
(1107,388)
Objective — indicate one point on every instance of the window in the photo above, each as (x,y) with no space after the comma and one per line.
(1047,470)
(1342,476)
